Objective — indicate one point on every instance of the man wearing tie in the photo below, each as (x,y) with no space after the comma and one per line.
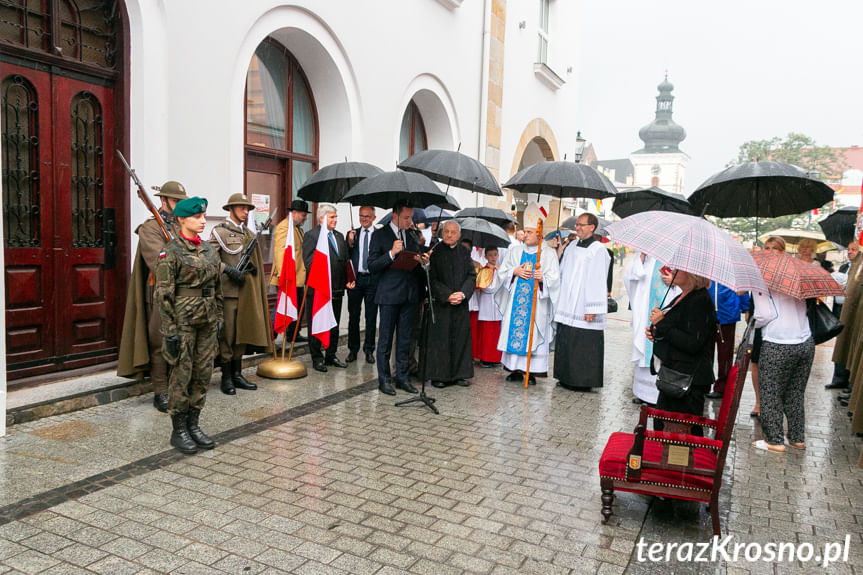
(397,295)
(327,220)
(359,241)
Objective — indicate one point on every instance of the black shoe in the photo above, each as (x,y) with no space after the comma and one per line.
(843,396)
(240,382)
(160,402)
(462,382)
(336,362)
(836,385)
(531,380)
(370,357)
(386,387)
(438,384)
(198,436)
(714,395)
(227,382)
(843,402)
(638,401)
(515,376)
(352,357)
(406,386)
(300,339)
(319,365)
(488,364)
(180,438)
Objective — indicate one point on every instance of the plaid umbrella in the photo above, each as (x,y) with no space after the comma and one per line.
(690,244)
(786,274)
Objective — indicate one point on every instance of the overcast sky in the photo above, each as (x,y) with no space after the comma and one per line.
(741,69)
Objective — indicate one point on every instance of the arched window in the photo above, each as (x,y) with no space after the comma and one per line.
(412,138)
(281,131)
(20,129)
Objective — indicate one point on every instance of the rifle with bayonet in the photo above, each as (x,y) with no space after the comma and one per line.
(146,199)
(246,258)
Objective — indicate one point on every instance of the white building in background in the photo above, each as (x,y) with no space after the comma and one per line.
(246,96)
(661,163)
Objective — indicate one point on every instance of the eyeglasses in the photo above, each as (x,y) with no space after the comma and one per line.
(582,225)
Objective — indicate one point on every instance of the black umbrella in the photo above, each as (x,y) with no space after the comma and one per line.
(839,226)
(386,188)
(492,215)
(453,169)
(483,233)
(562,180)
(760,189)
(332,182)
(437,214)
(649,199)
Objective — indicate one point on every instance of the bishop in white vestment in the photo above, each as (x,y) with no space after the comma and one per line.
(514,298)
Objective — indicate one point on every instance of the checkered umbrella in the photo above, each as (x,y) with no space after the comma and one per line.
(690,244)
(786,274)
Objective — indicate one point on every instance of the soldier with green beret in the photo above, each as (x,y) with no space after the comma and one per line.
(244,292)
(190,301)
(141,341)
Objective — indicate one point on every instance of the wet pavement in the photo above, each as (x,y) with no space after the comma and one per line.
(326,475)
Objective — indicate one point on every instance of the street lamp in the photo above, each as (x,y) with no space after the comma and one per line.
(579,147)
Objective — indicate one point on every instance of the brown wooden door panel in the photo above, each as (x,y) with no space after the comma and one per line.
(28,213)
(83,174)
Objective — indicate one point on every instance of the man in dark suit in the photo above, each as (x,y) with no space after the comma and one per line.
(397,295)
(359,244)
(327,220)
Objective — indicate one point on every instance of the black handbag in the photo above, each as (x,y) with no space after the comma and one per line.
(673,383)
(822,323)
(612,305)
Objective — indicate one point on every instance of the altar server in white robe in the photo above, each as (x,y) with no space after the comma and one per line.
(646,284)
(515,297)
(582,309)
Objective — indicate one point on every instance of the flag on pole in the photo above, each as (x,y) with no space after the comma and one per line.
(860,218)
(286,306)
(323,318)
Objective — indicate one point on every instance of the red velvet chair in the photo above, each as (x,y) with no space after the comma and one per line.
(676,465)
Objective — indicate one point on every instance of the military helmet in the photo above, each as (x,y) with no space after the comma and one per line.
(172,189)
(238,200)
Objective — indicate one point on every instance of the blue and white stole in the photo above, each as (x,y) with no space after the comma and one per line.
(658,289)
(519,319)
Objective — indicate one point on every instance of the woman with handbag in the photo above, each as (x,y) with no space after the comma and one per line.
(683,336)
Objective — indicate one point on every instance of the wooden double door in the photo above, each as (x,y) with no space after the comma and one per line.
(64,293)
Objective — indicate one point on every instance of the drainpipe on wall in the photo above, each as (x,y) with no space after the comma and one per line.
(3,337)
(483,86)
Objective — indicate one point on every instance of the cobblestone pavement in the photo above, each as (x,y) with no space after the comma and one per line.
(325,475)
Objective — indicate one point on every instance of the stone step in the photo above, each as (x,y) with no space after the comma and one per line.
(92,389)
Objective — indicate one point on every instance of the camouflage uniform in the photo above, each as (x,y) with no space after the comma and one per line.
(189,294)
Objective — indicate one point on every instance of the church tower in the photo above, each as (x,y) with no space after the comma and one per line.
(661,163)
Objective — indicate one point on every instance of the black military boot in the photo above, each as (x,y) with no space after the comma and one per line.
(160,402)
(181,438)
(227,380)
(240,382)
(198,436)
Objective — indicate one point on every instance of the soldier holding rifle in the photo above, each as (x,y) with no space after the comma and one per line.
(141,343)
(244,291)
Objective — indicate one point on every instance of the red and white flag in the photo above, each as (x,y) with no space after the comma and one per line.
(286,307)
(323,318)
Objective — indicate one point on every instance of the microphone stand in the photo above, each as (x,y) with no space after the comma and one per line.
(424,335)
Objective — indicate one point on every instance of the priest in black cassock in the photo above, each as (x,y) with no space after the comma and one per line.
(447,358)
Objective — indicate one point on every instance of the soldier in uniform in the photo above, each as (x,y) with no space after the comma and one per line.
(244,292)
(141,343)
(299,211)
(189,295)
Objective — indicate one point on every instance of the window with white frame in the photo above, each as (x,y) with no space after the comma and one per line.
(542,31)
